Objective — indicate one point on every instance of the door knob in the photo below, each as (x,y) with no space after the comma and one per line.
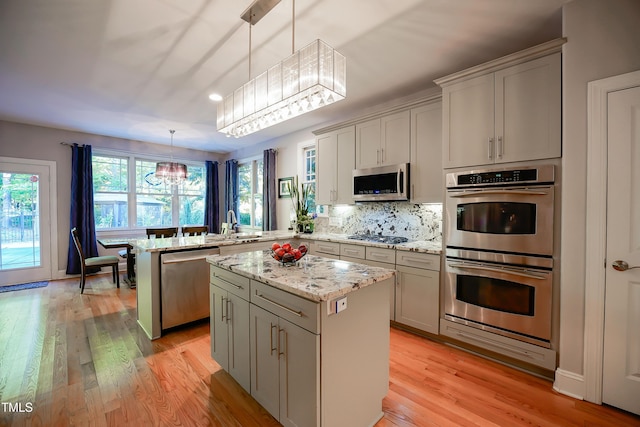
(622,265)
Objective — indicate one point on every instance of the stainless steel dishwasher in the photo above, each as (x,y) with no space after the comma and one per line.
(184,286)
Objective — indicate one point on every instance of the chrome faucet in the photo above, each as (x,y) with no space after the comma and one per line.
(231,221)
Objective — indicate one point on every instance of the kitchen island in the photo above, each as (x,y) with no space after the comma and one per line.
(310,342)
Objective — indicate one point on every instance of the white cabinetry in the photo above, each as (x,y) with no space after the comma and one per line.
(383,141)
(229,317)
(325,249)
(426,154)
(418,290)
(507,111)
(335,163)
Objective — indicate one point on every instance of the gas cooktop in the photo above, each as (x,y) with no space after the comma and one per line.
(391,240)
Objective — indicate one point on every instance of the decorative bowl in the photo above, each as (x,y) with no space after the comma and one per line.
(285,260)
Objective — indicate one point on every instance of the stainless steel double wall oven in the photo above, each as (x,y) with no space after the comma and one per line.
(500,245)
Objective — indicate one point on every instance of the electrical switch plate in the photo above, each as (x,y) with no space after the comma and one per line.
(341,304)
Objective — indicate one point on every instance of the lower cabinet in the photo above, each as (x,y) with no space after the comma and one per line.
(418,291)
(229,319)
(284,369)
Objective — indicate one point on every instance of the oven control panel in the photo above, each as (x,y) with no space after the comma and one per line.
(537,175)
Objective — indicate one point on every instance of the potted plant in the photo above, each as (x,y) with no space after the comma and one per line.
(300,193)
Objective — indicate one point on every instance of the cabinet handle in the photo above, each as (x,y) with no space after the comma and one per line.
(382,155)
(378,156)
(229,309)
(490,145)
(500,147)
(229,283)
(351,251)
(222,307)
(297,313)
(280,347)
(271,338)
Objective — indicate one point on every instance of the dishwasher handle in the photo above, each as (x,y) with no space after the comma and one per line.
(166,260)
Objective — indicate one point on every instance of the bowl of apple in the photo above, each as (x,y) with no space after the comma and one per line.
(287,254)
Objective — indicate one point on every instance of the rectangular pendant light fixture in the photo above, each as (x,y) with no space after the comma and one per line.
(311,78)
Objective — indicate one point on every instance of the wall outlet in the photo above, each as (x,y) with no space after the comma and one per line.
(341,304)
(335,221)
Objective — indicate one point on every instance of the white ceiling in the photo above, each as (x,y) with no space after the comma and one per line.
(136,68)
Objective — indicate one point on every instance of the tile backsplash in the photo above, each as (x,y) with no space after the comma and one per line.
(413,221)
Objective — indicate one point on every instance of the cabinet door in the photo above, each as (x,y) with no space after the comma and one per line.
(238,322)
(368,139)
(265,376)
(219,328)
(299,375)
(418,298)
(426,154)
(346,161)
(326,149)
(528,110)
(468,122)
(396,138)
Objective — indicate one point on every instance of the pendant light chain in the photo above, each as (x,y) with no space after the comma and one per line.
(172,131)
(293,26)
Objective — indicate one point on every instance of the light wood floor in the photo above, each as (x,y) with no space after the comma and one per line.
(82,360)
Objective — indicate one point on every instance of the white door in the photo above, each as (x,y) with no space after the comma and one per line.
(25,220)
(621,369)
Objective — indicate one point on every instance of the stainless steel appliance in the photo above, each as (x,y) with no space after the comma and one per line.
(503,293)
(384,183)
(499,251)
(184,286)
(501,210)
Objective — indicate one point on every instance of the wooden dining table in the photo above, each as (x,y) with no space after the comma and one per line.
(114,243)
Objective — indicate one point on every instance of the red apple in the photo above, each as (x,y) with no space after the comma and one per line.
(287,247)
(302,249)
(296,253)
(275,246)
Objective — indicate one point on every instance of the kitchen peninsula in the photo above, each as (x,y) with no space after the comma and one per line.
(172,275)
(310,342)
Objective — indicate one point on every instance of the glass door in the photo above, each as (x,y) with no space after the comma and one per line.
(25,236)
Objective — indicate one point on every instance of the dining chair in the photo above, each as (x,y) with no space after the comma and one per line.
(195,230)
(95,261)
(162,232)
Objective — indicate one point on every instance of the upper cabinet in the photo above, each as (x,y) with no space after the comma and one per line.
(507,110)
(335,162)
(383,141)
(426,154)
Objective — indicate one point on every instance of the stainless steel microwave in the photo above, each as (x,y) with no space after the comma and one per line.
(383,183)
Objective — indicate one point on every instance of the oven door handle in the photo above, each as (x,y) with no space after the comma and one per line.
(497,270)
(489,192)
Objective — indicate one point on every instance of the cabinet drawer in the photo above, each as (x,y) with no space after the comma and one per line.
(352,251)
(231,282)
(418,260)
(326,248)
(293,308)
(381,254)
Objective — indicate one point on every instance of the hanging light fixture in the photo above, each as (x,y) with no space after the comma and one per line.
(312,77)
(171,172)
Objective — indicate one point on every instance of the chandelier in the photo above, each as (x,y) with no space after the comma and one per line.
(171,172)
(311,78)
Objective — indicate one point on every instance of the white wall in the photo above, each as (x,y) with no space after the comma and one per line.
(603,39)
(42,143)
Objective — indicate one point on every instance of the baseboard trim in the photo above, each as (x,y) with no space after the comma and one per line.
(569,383)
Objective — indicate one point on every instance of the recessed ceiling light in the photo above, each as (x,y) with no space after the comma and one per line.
(215,97)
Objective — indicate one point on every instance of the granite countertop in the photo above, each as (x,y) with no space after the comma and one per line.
(312,277)
(209,241)
(412,246)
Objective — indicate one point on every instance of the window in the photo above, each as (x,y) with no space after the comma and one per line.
(110,191)
(250,194)
(127,194)
(309,175)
